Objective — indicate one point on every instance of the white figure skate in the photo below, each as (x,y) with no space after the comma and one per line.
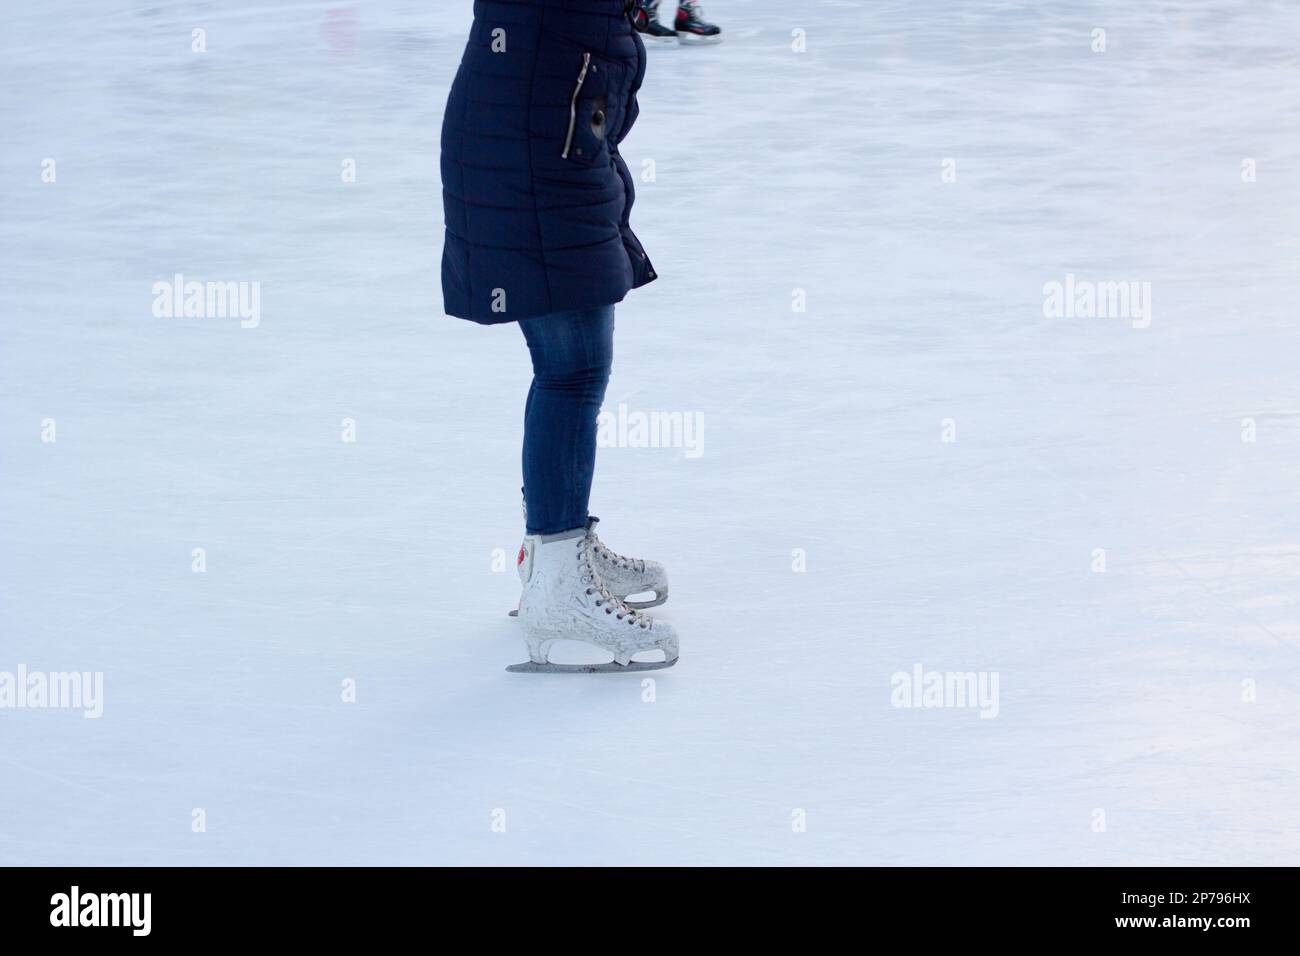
(625,576)
(622,576)
(565,598)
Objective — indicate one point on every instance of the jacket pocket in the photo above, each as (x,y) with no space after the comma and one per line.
(588,115)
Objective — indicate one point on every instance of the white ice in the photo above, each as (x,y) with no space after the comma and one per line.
(1148,713)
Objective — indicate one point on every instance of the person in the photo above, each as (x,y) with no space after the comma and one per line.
(537,203)
(688,27)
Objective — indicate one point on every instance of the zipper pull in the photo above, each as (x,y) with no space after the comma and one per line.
(573,105)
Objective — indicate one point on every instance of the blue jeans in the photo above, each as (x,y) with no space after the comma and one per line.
(572,354)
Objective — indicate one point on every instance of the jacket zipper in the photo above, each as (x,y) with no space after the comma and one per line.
(573,105)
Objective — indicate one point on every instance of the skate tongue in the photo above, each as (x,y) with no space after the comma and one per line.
(592,521)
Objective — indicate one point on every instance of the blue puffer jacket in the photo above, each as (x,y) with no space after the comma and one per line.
(535,194)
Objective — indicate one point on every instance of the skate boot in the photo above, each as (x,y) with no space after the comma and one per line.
(691,25)
(646,20)
(624,576)
(565,598)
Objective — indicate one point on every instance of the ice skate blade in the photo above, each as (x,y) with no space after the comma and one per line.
(532,667)
(694,39)
(634,605)
(659,598)
(664,41)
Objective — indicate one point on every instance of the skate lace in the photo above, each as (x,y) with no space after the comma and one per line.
(629,564)
(587,544)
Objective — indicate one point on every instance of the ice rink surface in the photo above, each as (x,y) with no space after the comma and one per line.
(921,468)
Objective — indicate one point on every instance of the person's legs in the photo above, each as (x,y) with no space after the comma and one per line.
(572,354)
